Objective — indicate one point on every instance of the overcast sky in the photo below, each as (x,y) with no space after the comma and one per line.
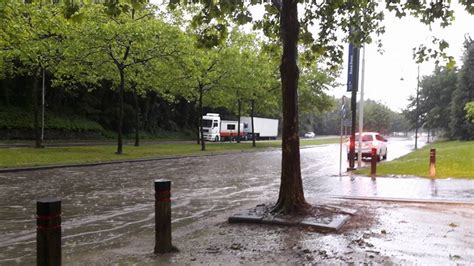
(384,71)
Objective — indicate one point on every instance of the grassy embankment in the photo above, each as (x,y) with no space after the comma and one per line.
(22,157)
(453,159)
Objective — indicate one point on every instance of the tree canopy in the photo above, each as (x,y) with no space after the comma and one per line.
(314,30)
(443,97)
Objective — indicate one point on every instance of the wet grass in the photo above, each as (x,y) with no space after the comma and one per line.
(22,157)
(453,159)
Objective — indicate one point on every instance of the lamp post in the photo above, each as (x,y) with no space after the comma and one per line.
(361,111)
(417,109)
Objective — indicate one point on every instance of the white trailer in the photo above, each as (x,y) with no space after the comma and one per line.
(215,129)
(265,128)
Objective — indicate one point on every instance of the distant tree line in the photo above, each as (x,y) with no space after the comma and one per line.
(445,102)
(132,68)
(377,117)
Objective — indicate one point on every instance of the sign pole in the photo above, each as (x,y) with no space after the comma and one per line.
(361,111)
(343,116)
(352,86)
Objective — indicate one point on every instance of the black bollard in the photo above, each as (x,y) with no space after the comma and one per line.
(48,232)
(163,216)
(373,163)
(432,162)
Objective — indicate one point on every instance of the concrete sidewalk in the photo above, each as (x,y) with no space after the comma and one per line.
(380,233)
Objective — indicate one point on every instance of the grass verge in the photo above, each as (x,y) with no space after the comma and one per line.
(453,159)
(23,157)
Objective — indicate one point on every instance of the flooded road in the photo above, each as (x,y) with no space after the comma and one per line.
(103,206)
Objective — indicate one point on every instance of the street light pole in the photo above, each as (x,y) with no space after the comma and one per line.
(42,105)
(417,110)
(361,111)
(343,116)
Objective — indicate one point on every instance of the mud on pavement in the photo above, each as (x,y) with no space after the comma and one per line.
(380,233)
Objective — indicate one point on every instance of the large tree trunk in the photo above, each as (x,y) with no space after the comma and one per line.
(238,121)
(253,125)
(291,197)
(137,116)
(120,114)
(38,142)
(201,130)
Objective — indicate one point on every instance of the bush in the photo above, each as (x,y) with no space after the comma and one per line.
(15,118)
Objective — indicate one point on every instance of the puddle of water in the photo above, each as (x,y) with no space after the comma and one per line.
(104,206)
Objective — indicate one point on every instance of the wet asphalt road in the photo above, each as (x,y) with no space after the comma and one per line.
(104,205)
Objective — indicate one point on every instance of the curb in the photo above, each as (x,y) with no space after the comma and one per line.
(54,166)
(404,200)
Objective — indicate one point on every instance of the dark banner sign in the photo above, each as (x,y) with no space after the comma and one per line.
(353,69)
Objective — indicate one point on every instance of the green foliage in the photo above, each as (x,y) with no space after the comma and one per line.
(469,108)
(435,98)
(251,76)
(313,84)
(443,97)
(31,34)
(461,128)
(399,123)
(87,45)
(377,117)
(361,22)
(14,118)
(322,123)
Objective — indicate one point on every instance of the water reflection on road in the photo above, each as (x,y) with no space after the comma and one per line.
(104,205)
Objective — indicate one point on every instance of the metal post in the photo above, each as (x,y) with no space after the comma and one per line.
(253,126)
(361,110)
(432,162)
(163,216)
(43,92)
(343,112)
(48,232)
(373,163)
(417,110)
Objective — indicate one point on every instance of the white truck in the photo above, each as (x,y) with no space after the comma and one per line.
(215,129)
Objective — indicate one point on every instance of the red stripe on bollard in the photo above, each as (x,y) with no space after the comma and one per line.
(40,227)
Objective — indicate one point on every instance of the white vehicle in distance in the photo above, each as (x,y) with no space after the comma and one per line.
(370,140)
(309,135)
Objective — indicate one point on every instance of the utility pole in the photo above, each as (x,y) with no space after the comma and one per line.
(361,111)
(417,110)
